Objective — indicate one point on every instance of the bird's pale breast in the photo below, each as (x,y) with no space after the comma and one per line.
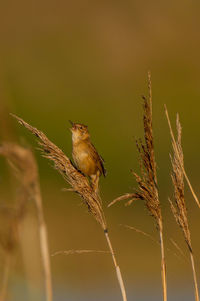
(84,160)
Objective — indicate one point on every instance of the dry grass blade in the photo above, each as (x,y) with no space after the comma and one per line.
(24,165)
(72,252)
(177,153)
(178,248)
(152,238)
(141,232)
(79,184)
(127,196)
(147,183)
(179,209)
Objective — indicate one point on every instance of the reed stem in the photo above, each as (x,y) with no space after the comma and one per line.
(79,183)
(194,277)
(163,264)
(117,268)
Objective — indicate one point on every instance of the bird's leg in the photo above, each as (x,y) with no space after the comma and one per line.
(95,182)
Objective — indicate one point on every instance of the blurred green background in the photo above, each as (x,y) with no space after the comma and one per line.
(87,61)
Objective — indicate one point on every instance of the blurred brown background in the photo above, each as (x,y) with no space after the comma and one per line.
(87,61)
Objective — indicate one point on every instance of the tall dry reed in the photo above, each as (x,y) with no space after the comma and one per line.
(177,154)
(79,184)
(179,208)
(147,182)
(24,166)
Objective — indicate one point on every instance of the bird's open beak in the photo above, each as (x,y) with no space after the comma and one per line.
(72,124)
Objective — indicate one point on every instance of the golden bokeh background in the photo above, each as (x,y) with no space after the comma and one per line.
(87,61)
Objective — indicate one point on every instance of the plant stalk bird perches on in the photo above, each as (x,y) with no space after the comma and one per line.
(80,185)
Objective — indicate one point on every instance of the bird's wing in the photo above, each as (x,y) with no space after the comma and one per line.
(102,166)
(100,161)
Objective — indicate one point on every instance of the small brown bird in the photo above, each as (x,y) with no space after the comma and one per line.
(85,155)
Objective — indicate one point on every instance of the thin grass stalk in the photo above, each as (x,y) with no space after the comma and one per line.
(178,249)
(194,277)
(162,250)
(163,264)
(117,268)
(79,184)
(177,153)
(4,287)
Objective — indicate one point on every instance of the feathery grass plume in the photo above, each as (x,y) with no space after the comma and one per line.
(147,183)
(177,154)
(79,184)
(24,165)
(179,208)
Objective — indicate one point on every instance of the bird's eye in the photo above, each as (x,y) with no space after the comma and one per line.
(81,127)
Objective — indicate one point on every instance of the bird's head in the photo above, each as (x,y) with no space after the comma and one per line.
(79,131)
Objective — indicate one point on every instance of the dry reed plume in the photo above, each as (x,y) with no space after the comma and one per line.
(179,159)
(79,184)
(148,189)
(179,209)
(24,165)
